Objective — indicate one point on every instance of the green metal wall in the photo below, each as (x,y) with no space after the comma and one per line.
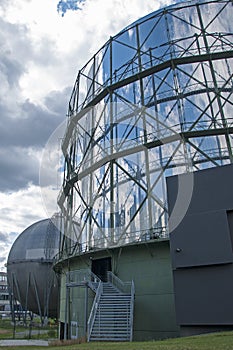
(77,302)
(149,265)
(150,268)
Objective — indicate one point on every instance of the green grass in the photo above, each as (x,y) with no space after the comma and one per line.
(216,341)
(22,332)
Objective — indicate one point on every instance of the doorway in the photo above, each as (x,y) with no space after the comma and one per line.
(100,267)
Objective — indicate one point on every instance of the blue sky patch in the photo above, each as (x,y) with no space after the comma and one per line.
(65,5)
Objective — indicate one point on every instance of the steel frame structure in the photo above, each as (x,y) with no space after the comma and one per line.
(154,101)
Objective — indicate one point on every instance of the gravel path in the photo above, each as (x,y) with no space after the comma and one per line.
(23,342)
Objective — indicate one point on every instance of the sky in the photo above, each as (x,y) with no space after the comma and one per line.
(43,44)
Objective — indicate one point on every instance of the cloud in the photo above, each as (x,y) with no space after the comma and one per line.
(3,238)
(18,210)
(31,128)
(24,136)
(18,168)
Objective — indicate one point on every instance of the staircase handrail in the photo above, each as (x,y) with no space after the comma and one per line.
(132,309)
(82,276)
(94,308)
(124,287)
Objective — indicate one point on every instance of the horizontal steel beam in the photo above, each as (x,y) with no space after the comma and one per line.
(172,63)
(156,143)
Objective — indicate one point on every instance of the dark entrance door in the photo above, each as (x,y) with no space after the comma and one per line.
(100,268)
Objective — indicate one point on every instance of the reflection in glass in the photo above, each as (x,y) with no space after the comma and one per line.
(154,101)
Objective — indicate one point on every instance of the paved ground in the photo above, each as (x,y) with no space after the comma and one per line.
(23,342)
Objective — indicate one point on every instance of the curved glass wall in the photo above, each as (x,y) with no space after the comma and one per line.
(154,101)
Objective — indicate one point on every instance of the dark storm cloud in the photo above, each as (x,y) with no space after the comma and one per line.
(11,69)
(15,44)
(2,259)
(57,101)
(3,238)
(21,138)
(35,123)
(17,169)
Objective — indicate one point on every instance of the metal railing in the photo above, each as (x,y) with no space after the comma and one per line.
(127,288)
(159,54)
(123,287)
(91,318)
(158,233)
(83,276)
(132,309)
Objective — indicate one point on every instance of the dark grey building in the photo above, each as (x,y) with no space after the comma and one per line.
(201,250)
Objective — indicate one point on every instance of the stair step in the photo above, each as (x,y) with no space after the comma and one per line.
(110,338)
(114,309)
(110,332)
(114,300)
(111,327)
(106,311)
(117,302)
(107,314)
(110,323)
(107,318)
(111,335)
(115,316)
(113,304)
(115,297)
(114,313)
(112,318)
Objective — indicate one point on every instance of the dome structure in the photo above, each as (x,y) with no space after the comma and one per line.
(31,279)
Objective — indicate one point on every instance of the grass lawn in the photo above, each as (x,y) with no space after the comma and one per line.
(216,341)
(22,332)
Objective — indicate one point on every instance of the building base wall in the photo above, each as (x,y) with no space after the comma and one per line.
(148,265)
(186,331)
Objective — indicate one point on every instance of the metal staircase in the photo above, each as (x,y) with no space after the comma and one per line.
(111,318)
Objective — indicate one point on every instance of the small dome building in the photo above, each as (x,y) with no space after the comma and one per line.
(31,279)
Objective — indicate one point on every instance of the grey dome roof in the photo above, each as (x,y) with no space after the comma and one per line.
(37,242)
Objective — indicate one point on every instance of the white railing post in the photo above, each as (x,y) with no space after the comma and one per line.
(132,309)
(95,304)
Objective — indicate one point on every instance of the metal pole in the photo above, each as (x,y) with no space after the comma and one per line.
(217,90)
(86,309)
(147,160)
(66,306)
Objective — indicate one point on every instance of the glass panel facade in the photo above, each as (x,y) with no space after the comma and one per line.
(154,101)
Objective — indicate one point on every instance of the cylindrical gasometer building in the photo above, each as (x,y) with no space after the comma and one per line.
(154,101)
